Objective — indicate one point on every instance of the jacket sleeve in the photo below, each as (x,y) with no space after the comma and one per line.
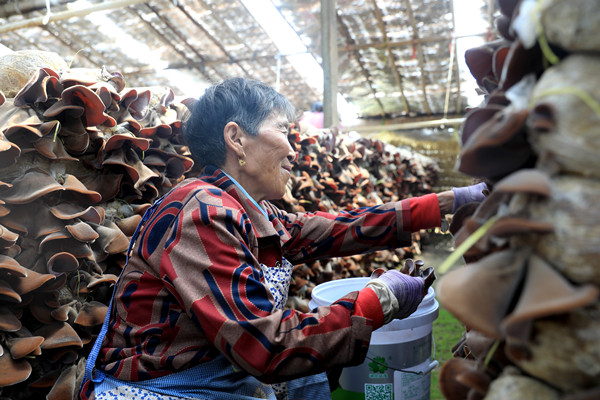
(208,261)
(387,226)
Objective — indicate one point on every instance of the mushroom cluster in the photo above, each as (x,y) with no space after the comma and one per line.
(81,158)
(337,171)
(529,292)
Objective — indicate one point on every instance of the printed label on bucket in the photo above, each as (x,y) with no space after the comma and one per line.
(408,386)
(376,391)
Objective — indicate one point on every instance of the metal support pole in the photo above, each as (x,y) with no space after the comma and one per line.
(330,63)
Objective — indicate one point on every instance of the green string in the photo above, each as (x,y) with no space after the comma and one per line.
(582,95)
(490,353)
(73,59)
(466,245)
(544,46)
(56,129)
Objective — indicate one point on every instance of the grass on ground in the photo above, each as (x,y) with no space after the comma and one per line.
(447,331)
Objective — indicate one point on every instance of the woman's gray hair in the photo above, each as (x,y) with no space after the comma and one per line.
(246,102)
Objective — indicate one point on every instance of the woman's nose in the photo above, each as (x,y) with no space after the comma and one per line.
(292,156)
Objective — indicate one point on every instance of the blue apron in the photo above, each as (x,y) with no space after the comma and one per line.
(217,379)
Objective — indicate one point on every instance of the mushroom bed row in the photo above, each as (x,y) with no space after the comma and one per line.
(82,157)
(528,295)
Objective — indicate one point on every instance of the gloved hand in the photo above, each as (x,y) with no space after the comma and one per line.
(468,194)
(401,293)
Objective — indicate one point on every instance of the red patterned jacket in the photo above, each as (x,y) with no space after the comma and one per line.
(193,287)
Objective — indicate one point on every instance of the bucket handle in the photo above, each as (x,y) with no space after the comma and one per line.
(419,371)
(424,371)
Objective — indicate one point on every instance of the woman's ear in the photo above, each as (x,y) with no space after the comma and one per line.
(234,137)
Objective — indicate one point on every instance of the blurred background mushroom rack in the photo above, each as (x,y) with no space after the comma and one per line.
(418,96)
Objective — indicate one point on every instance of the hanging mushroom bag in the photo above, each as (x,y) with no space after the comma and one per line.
(534,272)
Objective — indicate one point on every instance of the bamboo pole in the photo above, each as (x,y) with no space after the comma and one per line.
(406,125)
(60,16)
(10,8)
(400,43)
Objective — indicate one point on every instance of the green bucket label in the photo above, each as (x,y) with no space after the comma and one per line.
(377,367)
(387,372)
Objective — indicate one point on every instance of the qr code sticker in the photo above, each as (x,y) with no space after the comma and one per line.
(381,391)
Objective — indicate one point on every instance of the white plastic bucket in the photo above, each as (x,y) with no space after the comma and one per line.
(401,354)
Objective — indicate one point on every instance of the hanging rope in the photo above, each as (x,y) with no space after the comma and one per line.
(46,18)
(278,79)
(449,79)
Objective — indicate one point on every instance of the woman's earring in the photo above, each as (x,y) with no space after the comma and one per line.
(242,162)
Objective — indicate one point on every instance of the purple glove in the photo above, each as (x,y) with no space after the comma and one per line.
(407,289)
(468,194)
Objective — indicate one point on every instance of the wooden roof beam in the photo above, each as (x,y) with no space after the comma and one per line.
(230,60)
(391,57)
(308,87)
(401,43)
(212,39)
(76,40)
(26,39)
(69,44)
(350,40)
(161,37)
(420,57)
(223,24)
(180,37)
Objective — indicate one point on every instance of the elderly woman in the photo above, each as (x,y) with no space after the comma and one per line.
(198,311)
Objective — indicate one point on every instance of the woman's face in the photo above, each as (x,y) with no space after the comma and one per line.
(269,158)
